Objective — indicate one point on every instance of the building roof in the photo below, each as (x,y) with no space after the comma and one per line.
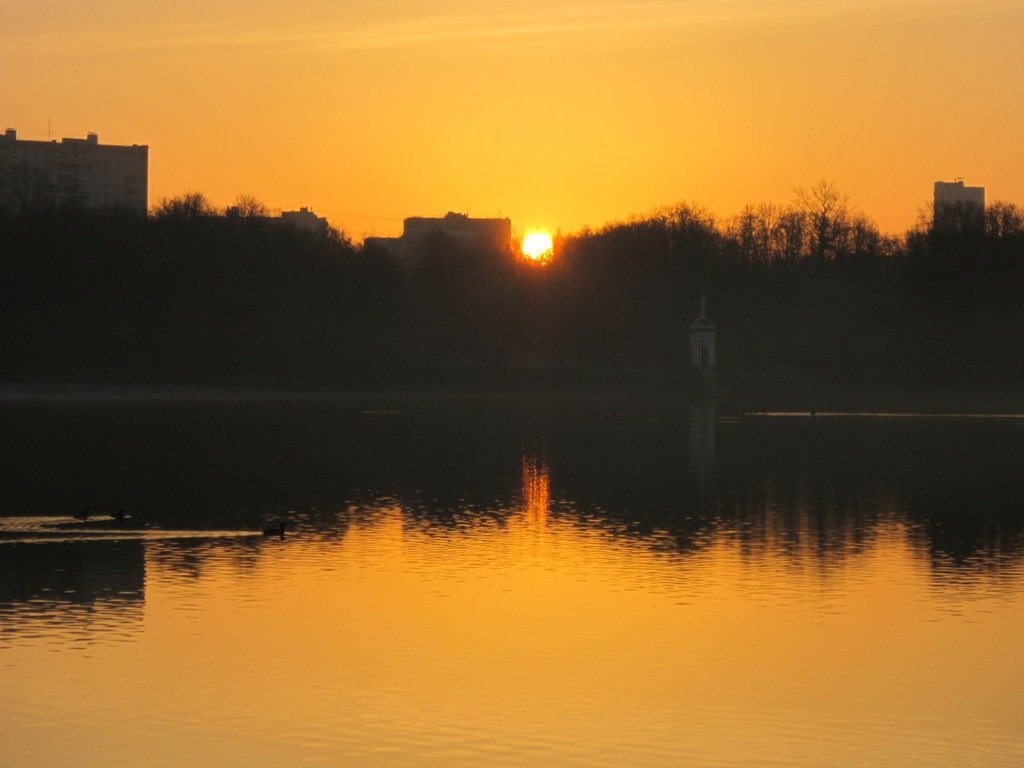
(702,323)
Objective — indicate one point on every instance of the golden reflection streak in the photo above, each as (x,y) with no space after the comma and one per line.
(536,491)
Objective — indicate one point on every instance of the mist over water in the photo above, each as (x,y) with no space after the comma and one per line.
(518,582)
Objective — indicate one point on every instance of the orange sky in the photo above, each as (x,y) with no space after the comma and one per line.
(558,115)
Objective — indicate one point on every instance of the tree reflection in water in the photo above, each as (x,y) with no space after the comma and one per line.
(671,476)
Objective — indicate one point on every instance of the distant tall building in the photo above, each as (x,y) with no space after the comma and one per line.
(958,207)
(73,171)
(304,219)
(494,235)
(485,234)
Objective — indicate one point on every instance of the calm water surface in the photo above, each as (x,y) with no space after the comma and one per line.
(507,585)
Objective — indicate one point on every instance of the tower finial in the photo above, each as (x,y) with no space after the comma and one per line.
(703,307)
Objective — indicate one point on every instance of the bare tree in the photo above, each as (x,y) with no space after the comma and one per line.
(30,188)
(827,215)
(760,233)
(1004,219)
(190,205)
(248,207)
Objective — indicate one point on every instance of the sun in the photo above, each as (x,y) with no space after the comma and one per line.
(537,246)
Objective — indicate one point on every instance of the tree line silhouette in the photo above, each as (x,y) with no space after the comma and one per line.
(800,292)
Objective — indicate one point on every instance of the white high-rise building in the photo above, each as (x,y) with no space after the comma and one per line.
(958,206)
(80,172)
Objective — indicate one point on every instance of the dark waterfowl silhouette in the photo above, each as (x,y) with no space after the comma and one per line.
(275,530)
(119,516)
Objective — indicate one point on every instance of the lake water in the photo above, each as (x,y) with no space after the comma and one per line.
(517,582)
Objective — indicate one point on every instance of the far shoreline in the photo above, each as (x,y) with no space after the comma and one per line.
(731,396)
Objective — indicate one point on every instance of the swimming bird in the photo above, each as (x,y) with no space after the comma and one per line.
(275,530)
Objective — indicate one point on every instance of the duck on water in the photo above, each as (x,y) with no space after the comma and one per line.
(275,530)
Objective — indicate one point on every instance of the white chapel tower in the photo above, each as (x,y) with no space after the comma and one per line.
(702,340)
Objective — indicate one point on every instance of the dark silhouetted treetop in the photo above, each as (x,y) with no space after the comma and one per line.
(190,205)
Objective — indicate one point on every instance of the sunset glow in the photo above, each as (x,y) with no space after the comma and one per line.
(560,383)
(537,246)
(371,112)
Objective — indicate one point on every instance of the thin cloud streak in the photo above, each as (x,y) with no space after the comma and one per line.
(530,26)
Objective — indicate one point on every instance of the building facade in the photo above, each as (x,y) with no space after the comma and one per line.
(79,172)
(958,207)
(488,235)
(481,234)
(702,340)
(304,219)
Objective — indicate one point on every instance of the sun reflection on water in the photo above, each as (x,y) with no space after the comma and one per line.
(674,585)
(536,491)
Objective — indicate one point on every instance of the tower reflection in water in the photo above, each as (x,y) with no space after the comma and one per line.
(701,441)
